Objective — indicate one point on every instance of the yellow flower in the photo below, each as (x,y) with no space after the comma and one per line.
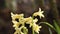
(17,16)
(35,20)
(16,24)
(29,21)
(36,28)
(39,13)
(19,30)
(22,28)
(22,21)
(20,18)
(22,33)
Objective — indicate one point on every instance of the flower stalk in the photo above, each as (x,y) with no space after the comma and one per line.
(32,27)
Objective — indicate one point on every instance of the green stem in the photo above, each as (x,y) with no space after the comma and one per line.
(32,26)
(32,30)
(24,29)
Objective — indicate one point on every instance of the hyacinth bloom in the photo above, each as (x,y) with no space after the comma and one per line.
(39,13)
(19,30)
(16,24)
(36,28)
(29,20)
(17,16)
(35,20)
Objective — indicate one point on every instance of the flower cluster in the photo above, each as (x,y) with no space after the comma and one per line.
(18,19)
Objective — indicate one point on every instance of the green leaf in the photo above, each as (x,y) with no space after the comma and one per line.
(57,27)
(48,24)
